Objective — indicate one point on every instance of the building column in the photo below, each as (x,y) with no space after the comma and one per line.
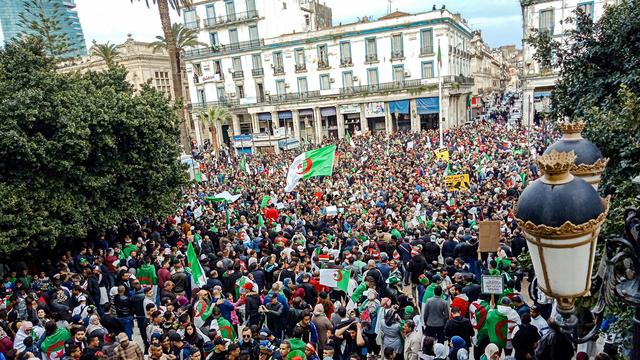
(388,120)
(275,122)
(527,107)
(236,125)
(296,124)
(317,124)
(255,124)
(364,125)
(444,122)
(415,118)
(340,120)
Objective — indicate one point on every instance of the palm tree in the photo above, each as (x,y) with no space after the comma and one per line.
(184,38)
(176,74)
(107,52)
(216,116)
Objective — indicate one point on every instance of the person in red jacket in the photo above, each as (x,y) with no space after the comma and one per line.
(460,300)
(272,214)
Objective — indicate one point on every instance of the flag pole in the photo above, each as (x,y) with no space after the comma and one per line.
(440,95)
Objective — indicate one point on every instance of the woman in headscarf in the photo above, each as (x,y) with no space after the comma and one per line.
(368,317)
(457,350)
(440,351)
(392,332)
(95,327)
(25,331)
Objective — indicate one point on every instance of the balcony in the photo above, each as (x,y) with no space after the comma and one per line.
(301,67)
(426,51)
(278,70)
(225,20)
(224,49)
(323,64)
(397,55)
(237,75)
(371,58)
(346,61)
(192,24)
(257,72)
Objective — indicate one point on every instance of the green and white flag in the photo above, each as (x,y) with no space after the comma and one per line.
(260,221)
(146,274)
(312,163)
(349,141)
(197,273)
(243,165)
(53,345)
(335,278)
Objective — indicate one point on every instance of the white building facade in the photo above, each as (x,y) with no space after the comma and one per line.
(544,15)
(299,79)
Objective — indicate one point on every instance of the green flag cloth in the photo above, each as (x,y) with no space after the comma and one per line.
(198,177)
(396,233)
(53,345)
(265,201)
(312,163)
(478,311)
(224,328)
(146,274)
(447,170)
(127,251)
(197,273)
(260,221)
(243,164)
(523,178)
(201,312)
(497,328)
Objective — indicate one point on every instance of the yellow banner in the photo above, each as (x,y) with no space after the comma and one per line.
(442,154)
(457,182)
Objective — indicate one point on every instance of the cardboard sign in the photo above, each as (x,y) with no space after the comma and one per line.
(492,284)
(442,154)
(489,239)
(457,182)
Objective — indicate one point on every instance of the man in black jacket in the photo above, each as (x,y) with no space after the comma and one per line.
(458,326)
(137,304)
(124,312)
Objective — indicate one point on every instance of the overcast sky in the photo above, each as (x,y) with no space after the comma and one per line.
(111,20)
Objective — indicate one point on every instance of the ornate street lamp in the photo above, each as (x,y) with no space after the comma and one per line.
(589,164)
(560,216)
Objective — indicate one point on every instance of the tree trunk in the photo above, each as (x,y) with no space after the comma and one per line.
(214,132)
(176,75)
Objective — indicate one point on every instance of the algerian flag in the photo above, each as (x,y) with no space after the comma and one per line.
(224,196)
(260,221)
(349,141)
(224,328)
(447,170)
(146,275)
(317,162)
(335,278)
(197,273)
(439,56)
(201,312)
(243,165)
(53,345)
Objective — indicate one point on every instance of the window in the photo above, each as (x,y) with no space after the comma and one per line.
(256,60)
(546,20)
(427,69)
(237,63)
(426,41)
(325,83)
(163,82)
(398,73)
(251,7)
(323,56)
(371,49)
(586,7)
(347,80)
(372,76)
(213,37)
(300,60)
(197,69)
(345,53)
(190,19)
(253,33)
(303,86)
(221,94)
(233,36)
(284,6)
(231,9)
(201,97)
(396,46)
(217,67)
(211,11)
(280,87)
(278,64)
(240,91)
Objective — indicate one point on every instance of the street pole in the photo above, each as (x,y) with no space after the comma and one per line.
(440,95)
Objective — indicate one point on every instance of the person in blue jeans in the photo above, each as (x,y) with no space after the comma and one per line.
(124,311)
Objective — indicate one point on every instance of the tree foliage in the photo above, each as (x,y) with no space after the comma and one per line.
(599,80)
(185,38)
(79,152)
(106,52)
(45,19)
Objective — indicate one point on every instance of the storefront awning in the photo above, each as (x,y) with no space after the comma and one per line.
(428,105)
(329,111)
(285,115)
(264,116)
(400,107)
(305,112)
(541,94)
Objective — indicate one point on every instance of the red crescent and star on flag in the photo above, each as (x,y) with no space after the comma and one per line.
(337,276)
(304,167)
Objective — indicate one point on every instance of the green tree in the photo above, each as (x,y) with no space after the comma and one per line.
(45,20)
(106,52)
(174,54)
(216,116)
(184,38)
(79,152)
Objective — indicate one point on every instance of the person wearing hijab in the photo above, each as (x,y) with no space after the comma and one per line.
(440,352)
(25,331)
(458,349)
(392,333)
(96,326)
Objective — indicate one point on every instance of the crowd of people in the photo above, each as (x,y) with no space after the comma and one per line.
(410,246)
